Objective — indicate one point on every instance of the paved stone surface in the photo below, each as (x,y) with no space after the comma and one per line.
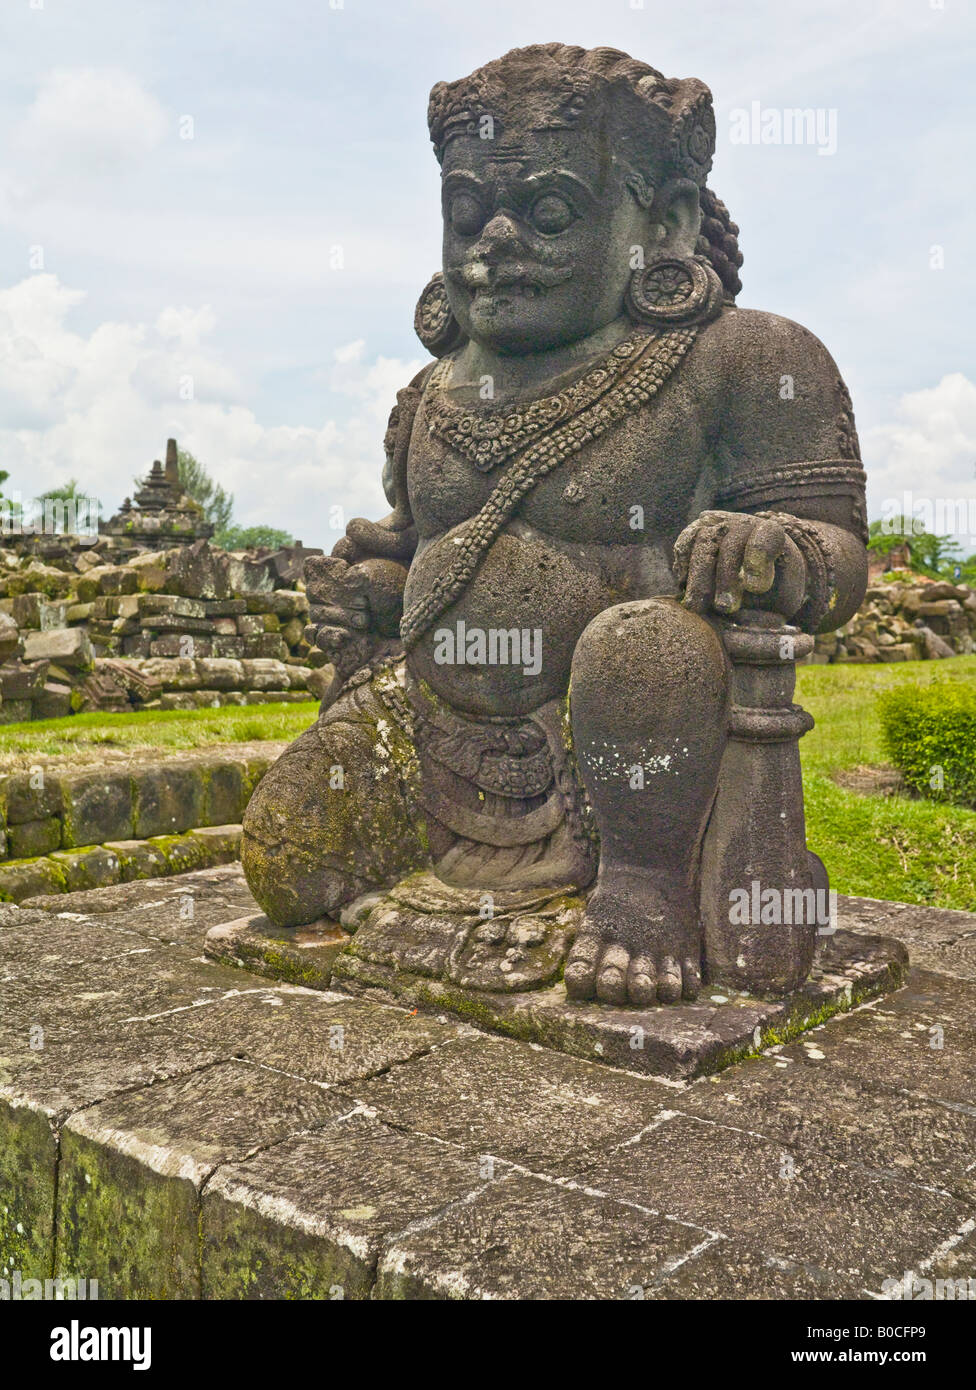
(184,1128)
(180,909)
(327,1038)
(937,937)
(307,1218)
(302,956)
(522,1237)
(132,1169)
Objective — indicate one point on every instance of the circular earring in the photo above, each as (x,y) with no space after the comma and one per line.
(673,292)
(434,321)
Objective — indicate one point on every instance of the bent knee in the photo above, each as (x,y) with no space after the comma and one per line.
(328,821)
(650,644)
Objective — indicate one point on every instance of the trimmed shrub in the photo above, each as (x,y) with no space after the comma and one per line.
(929,732)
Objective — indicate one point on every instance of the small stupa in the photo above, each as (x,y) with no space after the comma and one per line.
(162,515)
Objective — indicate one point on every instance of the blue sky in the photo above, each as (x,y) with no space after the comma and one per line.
(136,262)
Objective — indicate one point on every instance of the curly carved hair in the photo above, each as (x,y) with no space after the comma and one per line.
(664,127)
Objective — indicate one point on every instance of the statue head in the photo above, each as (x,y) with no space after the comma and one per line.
(562,168)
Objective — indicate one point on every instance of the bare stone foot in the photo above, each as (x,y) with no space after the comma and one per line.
(639,943)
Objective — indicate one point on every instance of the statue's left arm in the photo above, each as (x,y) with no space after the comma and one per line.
(787,527)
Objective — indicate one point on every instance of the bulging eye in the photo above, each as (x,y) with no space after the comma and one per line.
(467,215)
(552,214)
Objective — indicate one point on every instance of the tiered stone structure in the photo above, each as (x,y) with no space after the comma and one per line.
(162,516)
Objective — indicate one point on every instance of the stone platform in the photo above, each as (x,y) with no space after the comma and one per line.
(424,946)
(178,1128)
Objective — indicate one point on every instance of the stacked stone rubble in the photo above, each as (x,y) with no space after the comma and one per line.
(180,628)
(905,620)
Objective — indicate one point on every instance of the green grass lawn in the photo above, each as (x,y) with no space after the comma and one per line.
(83,736)
(883,847)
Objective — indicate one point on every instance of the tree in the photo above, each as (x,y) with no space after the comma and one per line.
(68,510)
(196,482)
(252,537)
(936,556)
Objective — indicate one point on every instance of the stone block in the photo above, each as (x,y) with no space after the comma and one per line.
(533,1107)
(11,642)
(116,579)
(557,1244)
(221,843)
(265,674)
(183,645)
(37,611)
(39,1088)
(137,858)
(224,607)
(69,647)
(288,604)
(39,579)
(132,1170)
(168,799)
(304,956)
(96,806)
(269,645)
(34,837)
(88,868)
(30,878)
(15,711)
(22,681)
(308,1217)
(175,673)
(30,796)
(795,1203)
(171,604)
(220,673)
(224,792)
(176,699)
(176,623)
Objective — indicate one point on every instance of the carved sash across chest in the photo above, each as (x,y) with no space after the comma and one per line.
(538,439)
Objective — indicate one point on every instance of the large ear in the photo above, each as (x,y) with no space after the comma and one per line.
(677,208)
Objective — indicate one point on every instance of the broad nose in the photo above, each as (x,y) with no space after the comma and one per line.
(499,239)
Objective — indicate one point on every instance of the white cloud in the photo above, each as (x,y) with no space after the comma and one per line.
(99,407)
(928,451)
(84,125)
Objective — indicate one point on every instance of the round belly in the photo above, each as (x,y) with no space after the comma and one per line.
(505,646)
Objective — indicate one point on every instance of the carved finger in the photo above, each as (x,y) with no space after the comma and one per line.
(329,580)
(683,547)
(728,566)
(332,639)
(700,584)
(341,617)
(763,548)
(378,538)
(791,583)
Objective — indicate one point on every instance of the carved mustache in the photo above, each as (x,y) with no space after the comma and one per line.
(476,275)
